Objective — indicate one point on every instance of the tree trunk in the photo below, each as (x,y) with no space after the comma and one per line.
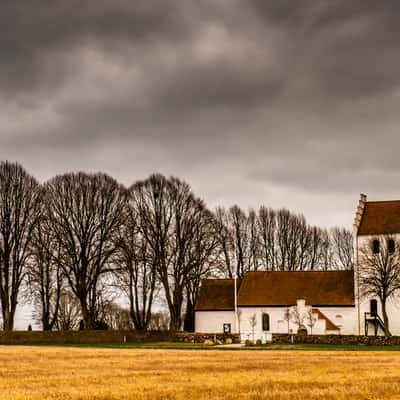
(7,320)
(176,319)
(385,318)
(87,316)
(136,320)
(45,322)
(188,325)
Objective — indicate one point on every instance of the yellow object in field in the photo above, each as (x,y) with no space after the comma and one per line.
(228,341)
(208,342)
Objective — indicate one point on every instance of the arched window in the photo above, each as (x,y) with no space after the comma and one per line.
(391,245)
(265,322)
(375,246)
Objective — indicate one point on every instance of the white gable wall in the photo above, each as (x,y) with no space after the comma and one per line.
(213,321)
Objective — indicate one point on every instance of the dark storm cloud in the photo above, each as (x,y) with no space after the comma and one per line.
(280,102)
(38,37)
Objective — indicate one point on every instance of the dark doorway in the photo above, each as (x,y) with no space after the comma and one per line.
(373,305)
(227,329)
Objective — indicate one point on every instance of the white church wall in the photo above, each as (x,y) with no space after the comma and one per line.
(213,321)
(276,320)
(343,317)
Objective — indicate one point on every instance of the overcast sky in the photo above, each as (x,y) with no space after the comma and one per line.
(285,103)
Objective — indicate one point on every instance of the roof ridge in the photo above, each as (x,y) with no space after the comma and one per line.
(382,201)
(308,270)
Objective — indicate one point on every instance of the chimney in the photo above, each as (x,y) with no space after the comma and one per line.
(360,211)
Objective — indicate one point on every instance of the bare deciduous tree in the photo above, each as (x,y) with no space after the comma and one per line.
(379,274)
(45,275)
(120,319)
(253,323)
(85,211)
(267,231)
(311,319)
(160,321)
(203,257)
(225,242)
(278,240)
(287,316)
(342,243)
(136,269)
(169,216)
(241,239)
(116,317)
(254,246)
(297,316)
(19,210)
(69,312)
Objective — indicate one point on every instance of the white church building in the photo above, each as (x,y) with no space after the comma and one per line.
(322,302)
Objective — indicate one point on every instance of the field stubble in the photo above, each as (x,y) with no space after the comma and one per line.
(92,373)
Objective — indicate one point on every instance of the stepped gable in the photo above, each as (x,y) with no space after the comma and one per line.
(380,218)
(317,288)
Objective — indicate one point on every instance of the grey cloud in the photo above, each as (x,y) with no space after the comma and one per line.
(250,101)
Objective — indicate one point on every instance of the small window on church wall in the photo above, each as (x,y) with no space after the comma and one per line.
(265,322)
(375,246)
(391,246)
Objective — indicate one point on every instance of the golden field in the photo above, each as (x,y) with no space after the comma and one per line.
(99,373)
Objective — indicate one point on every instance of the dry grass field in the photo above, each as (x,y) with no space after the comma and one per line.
(98,373)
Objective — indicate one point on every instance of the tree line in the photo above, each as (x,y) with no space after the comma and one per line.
(77,241)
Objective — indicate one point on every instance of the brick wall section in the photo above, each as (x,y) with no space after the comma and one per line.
(338,340)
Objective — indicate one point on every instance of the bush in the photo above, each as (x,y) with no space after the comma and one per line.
(258,342)
(249,343)
(100,325)
(228,340)
(302,331)
(208,342)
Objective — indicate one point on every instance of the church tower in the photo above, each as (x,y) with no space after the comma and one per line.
(376,236)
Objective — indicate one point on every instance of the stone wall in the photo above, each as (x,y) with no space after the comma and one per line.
(82,337)
(186,337)
(337,340)
(92,337)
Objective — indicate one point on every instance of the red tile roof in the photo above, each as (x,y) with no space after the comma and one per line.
(285,288)
(318,288)
(380,217)
(329,325)
(216,294)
